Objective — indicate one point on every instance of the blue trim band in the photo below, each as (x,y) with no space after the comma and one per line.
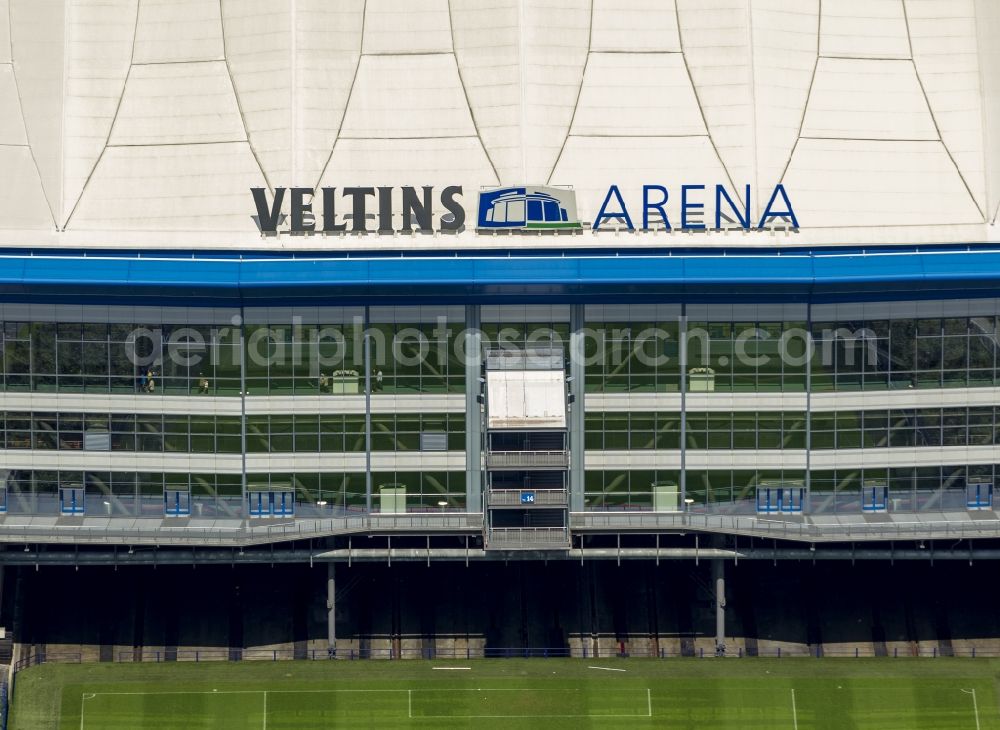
(729,274)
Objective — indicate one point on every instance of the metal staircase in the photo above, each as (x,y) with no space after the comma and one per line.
(526,450)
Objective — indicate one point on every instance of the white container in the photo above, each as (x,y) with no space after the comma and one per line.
(666,497)
(392,500)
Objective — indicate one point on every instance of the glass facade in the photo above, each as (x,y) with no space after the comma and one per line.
(624,489)
(878,429)
(117,357)
(771,383)
(317,494)
(122,492)
(926,352)
(627,348)
(329,433)
(624,430)
(834,491)
(747,354)
(143,432)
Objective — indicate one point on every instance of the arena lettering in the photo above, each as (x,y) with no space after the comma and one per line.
(730,210)
(417,209)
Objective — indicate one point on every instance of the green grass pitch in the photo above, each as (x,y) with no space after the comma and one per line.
(689,694)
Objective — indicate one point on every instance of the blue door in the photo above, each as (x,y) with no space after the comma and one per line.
(259,504)
(71,500)
(790,500)
(979,495)
(874,498)
(271,504)
(177,503)
(282,504)
(785,500)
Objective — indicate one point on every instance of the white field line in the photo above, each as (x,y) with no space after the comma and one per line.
(507,689)
(608,669)
(591,716)
(92,695)
(178,692)
(795,714)
(451,668)
(409,693)
(975,705)
(239,692)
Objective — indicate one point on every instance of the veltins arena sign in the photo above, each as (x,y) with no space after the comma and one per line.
(519,208)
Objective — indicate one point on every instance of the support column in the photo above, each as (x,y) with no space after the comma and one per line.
(683,358)
(473,411)
(719,585)
(244,511)
(810,350)
(331,607)
(368,416)
(577,422)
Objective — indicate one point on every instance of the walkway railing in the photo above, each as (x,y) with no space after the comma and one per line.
(538,497)
(161,532)
(584,650)
(527,459)
(541,358)
(527,538)
(797,529)
(236,533)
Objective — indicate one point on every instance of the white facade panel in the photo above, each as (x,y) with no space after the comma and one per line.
(403,96)
(792,459)
(523,399)
(258,48)
(593,165)
(22,200)
(4,31)
(987,31)
(149,187)
(433,161)
(635,25)
(178,103)
(120,461)
(870,183)
(554,49)
(38,49)
(865,99)
(11,124)
(99,50)
(864,29)
(949,69)
(121,403)
(785,36)
(407,26)
(715,36)
(637,94)
(488,51)
(327,42)
(169,31)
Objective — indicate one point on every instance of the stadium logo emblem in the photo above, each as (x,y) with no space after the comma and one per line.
(527,208)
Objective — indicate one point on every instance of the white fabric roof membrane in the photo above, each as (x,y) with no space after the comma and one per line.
(124,123)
